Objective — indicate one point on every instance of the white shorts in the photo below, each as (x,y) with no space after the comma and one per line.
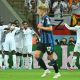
(77,47)
(27,49)
(9,45)
(19,46)
(20,50)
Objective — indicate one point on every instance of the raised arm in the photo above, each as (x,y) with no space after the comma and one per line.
(70,28)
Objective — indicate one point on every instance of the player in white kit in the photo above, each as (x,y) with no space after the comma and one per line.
(1,42)
(27,45)
(19,46)
(77,45)
(1,30)
(9,45)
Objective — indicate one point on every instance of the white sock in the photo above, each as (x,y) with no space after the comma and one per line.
(17,61)
(73,62)
(0,60)
(14,60)
(30,62)
(6,57)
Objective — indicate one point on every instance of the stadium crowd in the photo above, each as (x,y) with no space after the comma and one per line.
(56,7)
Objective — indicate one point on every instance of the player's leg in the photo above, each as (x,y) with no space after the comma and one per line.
(25,56)
(30,61)
(55,66)
(24,61)
(19,47)
(6,57)
(40,60)
(29,49)
(22,58)
(18,55)
(41,63)
(1,59)
(52,61)
(13,51)
(6,54)
(73,62)
(14,59)
(79,60)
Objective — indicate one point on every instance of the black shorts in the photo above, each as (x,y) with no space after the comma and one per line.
(0,52)
(49,48)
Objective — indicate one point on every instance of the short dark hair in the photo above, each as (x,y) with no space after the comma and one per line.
(24,22)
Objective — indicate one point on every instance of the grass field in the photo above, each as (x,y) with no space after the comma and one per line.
(36,73)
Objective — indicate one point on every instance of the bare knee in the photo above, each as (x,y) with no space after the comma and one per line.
(37,54)
(50,57)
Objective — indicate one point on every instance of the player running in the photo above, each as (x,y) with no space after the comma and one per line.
(46,43)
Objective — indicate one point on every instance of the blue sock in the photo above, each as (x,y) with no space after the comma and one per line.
(52,62)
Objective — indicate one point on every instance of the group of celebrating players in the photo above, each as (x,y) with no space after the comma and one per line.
(16,40)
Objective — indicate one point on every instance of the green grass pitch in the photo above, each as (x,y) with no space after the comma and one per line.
(35,74)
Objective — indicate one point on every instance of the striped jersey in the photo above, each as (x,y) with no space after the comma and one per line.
(46,36)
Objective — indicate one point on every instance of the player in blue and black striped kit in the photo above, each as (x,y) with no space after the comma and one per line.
(46,43)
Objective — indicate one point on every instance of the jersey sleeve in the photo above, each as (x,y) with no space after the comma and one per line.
(71,28)
(47,22)
(15,30)
(31,31)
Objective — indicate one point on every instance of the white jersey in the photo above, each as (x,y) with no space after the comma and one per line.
(1,35)
(77,28)
(2,30)
(10,35)
(19,40)
(27,41)
(28,36)
(9,43)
